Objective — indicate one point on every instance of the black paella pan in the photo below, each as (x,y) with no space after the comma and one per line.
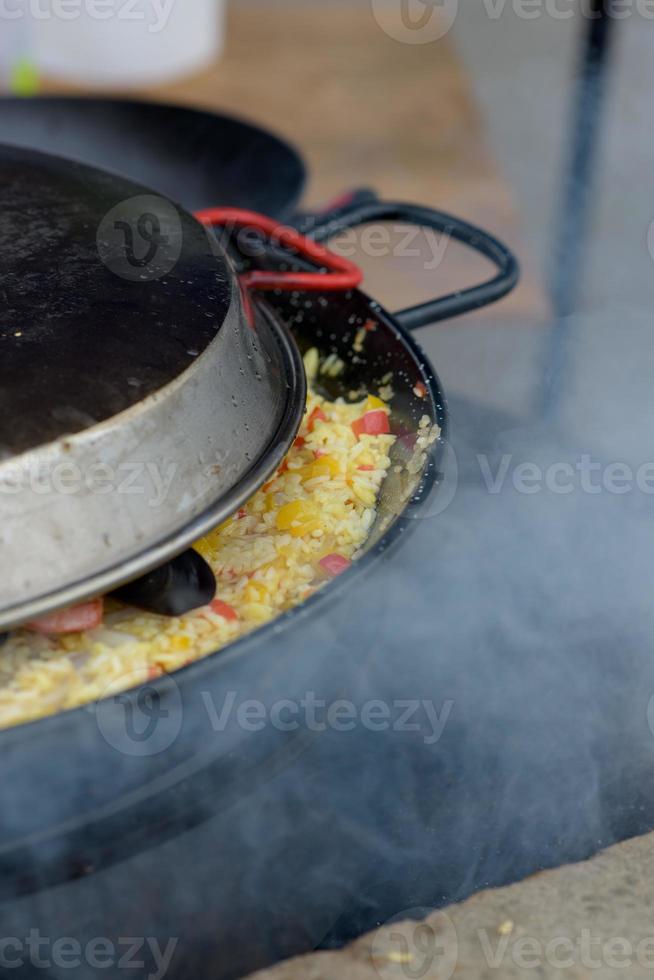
(113,800)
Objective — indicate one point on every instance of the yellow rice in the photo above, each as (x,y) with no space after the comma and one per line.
(266,560)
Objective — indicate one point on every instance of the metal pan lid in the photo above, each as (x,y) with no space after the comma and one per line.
(138,406)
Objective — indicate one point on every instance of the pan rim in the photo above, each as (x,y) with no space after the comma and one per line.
(63,724)
(167,547)
(391,537)
(246,124)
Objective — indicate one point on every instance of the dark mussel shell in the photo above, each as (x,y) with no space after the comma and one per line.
(183,584)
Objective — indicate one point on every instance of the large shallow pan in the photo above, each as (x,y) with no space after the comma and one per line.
(108,822)
(144,816)
(196,158)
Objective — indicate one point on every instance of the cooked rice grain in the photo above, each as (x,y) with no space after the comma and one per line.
(266,561)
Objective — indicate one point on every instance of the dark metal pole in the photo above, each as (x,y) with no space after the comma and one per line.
(571,236)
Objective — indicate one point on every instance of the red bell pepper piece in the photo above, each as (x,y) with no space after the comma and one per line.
(335,564)
(373,423)
(224,610)
(316,416)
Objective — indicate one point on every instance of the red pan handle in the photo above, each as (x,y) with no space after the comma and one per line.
(340,274)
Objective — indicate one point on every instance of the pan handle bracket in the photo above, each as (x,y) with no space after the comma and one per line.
(362,212)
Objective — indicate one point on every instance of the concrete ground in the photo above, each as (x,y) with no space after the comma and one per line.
(589,919)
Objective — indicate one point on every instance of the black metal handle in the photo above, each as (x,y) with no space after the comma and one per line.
(323,227)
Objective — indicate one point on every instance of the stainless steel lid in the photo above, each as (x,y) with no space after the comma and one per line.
(138,406)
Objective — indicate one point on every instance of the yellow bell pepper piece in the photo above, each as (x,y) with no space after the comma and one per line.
(325,466)
(373,404)
(205,547)
(298,518)
(180,642)
(256,591)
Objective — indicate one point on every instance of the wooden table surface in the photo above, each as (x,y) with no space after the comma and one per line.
(367,110)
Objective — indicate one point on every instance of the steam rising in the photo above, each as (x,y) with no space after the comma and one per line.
(532,613)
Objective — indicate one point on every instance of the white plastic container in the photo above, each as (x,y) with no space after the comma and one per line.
(127,42)
(15,53)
